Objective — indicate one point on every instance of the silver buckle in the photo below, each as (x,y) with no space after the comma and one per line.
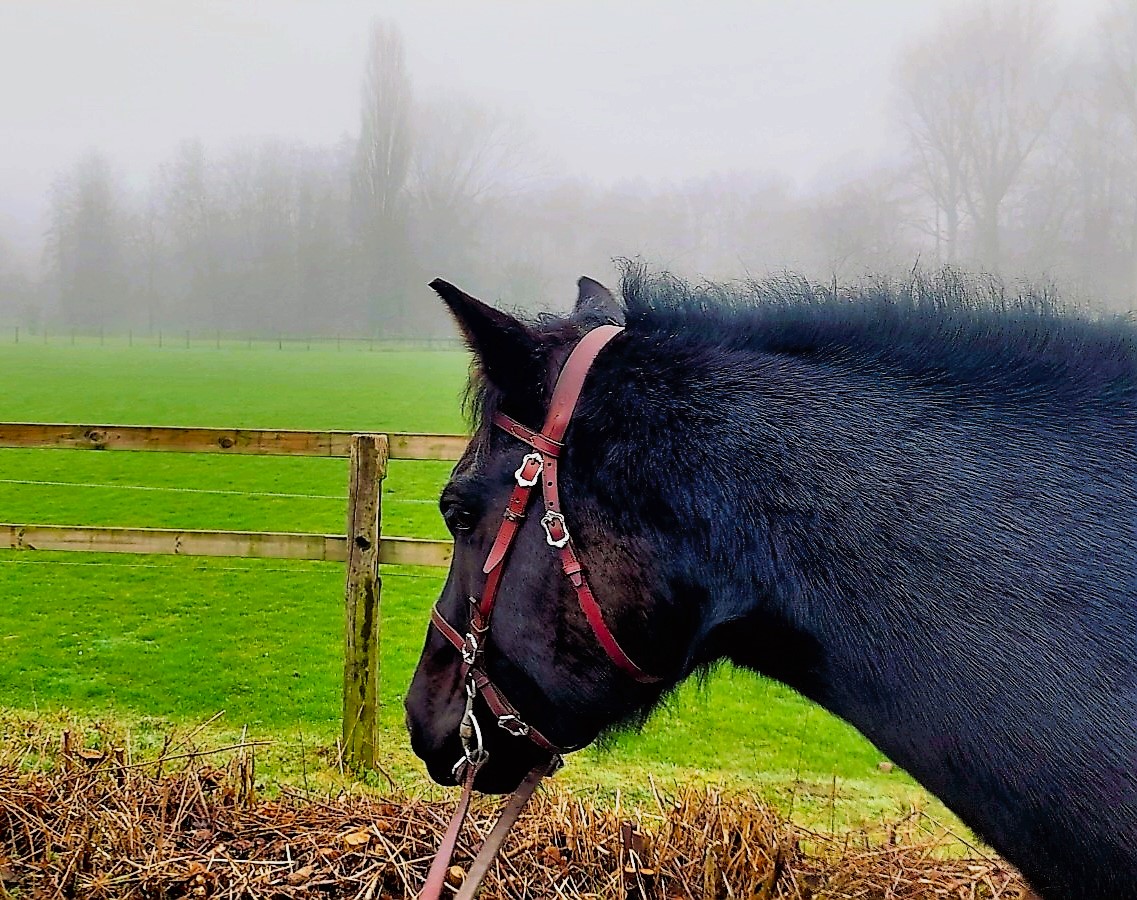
(525,460)
(470,649)
(550,518)
(513,725)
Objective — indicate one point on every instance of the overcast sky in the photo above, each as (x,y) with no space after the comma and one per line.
(798,89)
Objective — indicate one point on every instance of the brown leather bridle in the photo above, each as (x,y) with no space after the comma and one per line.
(540,465)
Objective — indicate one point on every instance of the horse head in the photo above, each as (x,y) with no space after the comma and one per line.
(553,661)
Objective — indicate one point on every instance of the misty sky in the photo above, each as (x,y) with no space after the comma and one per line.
(606,91)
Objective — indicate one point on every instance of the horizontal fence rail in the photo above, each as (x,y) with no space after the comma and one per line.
(393,551)
(197,338)
(361,549)
(252,441)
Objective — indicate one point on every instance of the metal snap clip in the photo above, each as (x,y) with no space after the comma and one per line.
(470,734)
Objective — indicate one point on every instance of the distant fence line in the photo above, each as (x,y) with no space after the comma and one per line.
(362,547)
(189,338)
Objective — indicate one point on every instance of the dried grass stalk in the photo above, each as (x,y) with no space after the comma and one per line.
(96,826)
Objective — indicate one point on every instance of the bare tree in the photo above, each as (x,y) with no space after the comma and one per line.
(1016,95)
(323,239)
(258,182)
(468,159)
(936,105)
(978,96)
(193,214)
(151,251)
(1085,201)
(86,243)
(379,177)
(466,153)
(19,300)
(859,228)
(1118,42)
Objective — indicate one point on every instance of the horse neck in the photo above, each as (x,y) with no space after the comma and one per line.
(824,518)
(947,573)
(787,489)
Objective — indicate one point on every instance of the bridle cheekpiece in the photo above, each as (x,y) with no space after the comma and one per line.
(537,466)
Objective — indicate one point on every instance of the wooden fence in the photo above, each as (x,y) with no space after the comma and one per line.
(362,547)
(187,338)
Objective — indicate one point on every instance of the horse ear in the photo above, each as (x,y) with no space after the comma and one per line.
(507,350)
(594,299)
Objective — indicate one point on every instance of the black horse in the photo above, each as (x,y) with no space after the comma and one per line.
(915,505)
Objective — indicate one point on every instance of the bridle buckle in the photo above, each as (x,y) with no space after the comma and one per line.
(511,723)
(470,649)
(535,463)
(556,531)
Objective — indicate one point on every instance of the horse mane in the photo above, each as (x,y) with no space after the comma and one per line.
(942,329)
(969,334)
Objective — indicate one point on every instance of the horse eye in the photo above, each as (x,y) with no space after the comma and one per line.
(459,519)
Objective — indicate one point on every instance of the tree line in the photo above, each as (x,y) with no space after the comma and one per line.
(1019,157)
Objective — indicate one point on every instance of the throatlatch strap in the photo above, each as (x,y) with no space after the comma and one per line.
(595,617)
(573,568)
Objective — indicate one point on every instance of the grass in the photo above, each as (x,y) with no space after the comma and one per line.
(175,640)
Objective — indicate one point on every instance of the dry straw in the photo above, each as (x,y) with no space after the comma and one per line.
(187,824)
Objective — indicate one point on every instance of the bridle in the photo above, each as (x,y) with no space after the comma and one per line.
(537,466)
(540,465)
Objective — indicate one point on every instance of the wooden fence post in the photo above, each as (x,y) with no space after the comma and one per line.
(361,598)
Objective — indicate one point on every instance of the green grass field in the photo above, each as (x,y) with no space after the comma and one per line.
(175,640)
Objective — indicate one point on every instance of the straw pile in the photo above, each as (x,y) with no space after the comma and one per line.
(94,824)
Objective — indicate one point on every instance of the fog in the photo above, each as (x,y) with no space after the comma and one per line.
(304,168)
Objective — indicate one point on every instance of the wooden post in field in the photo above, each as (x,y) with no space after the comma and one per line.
(361,596)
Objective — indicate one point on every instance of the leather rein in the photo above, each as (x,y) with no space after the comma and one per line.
(537,466)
